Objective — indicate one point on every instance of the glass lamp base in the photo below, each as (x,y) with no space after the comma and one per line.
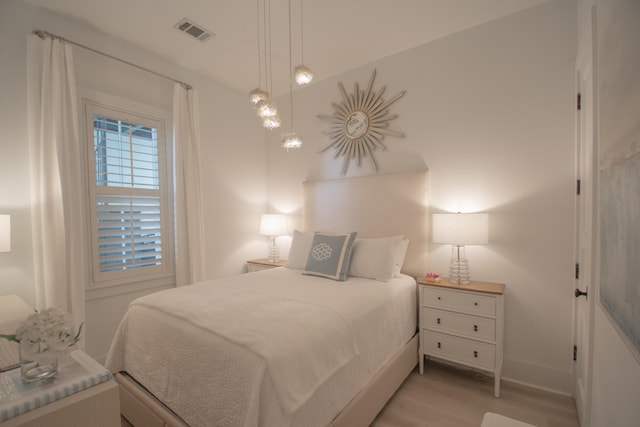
(459,266)
(274,251)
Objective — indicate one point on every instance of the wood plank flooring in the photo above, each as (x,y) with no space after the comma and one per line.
(449,397)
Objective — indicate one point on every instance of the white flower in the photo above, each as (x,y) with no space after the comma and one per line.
(51,329)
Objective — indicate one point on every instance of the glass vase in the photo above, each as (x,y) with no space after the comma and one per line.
(35,364)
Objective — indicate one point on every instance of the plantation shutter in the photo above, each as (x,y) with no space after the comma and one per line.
(127,212)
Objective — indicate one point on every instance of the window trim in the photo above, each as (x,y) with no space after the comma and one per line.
(98,279)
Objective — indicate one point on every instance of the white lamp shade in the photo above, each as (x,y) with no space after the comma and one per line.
(5,233)
(273,225)
(461,228)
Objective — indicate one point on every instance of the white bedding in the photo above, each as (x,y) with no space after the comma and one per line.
(272,348)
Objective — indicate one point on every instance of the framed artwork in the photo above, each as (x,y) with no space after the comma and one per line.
(619,166)
(359,124)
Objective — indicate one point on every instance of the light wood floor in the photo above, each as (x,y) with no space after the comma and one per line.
(449,397)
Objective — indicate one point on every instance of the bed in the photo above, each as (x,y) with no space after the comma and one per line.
(287,346)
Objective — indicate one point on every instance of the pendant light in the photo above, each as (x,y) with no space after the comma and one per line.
(291,140)
(258,94)
(265,107)
(302,73)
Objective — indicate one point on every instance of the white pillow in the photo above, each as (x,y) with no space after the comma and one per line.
(300,248)
(401,252)
(374,258)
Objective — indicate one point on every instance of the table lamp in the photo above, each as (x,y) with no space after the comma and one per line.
(273,225)
(458,230)
(5,233)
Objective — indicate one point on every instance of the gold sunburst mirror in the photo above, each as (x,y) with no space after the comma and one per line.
(359,124)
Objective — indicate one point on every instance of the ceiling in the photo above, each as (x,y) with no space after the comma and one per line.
(339,35)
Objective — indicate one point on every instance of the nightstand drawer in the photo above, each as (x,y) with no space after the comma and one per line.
(461,324)
(256,267)
(472,303)
(456,349)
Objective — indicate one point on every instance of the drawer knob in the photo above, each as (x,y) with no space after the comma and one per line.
(475,328)
(439,346)
(475,303)
(438,321)
(475,354)
(439,298)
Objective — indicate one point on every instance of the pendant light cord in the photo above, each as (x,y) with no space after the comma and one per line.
(301,34)
(259,56)
(268,32)
(290,70)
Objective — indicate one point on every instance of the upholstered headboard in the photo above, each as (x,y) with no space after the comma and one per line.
(374,206)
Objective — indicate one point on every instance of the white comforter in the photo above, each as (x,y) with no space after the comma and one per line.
(251,349)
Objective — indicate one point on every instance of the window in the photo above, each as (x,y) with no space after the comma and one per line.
(130,236)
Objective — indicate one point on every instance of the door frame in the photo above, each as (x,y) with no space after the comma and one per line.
(586,207)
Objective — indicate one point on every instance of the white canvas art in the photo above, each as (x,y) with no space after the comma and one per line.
(619,165)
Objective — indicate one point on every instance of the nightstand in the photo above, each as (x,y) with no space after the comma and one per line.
(463,324)
(83,393)
(263,264)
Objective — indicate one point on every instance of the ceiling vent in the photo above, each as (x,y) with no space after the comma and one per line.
(189,27)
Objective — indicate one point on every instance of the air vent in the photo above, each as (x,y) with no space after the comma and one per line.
(189,27)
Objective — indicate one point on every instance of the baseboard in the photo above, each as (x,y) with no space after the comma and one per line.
(527,375)
(539,377)
(532,386)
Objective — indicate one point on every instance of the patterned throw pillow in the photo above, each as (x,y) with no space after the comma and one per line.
(330,255)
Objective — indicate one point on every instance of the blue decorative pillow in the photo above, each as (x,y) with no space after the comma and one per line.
(330,255)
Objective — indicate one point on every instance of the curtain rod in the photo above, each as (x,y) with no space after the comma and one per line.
(44,34)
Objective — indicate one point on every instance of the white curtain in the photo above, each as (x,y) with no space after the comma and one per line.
(56,176)
(190,255)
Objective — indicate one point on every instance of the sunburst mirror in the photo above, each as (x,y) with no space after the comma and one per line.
(359,124)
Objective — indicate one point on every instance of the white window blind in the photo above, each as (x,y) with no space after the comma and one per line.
(128,196)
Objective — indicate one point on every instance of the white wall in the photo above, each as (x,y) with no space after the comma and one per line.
(233,154)
(490,112)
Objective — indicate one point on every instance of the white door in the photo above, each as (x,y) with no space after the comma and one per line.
(585,295)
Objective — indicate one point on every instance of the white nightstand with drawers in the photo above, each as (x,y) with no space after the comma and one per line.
(263,264)
(463,324)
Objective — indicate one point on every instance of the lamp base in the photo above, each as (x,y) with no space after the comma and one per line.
(459,266)
(274,252)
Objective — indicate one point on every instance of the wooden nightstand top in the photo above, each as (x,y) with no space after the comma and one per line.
(486,287)
(265,261)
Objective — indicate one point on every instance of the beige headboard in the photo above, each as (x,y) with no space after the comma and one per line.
(374,206)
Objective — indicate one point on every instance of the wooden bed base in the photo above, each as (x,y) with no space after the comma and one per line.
(369,402)
(142,409)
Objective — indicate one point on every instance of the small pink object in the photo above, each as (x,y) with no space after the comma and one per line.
(432,276)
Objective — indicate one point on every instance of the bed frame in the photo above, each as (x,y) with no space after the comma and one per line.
(375,206)
(142,409)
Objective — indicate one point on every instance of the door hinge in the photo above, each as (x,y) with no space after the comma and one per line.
(577,270)
(578,187)
(575,353)
(579,101)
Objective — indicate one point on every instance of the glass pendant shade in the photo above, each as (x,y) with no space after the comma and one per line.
(258,95)
(291,140)
(302,75)
(272,122)
(266,108)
